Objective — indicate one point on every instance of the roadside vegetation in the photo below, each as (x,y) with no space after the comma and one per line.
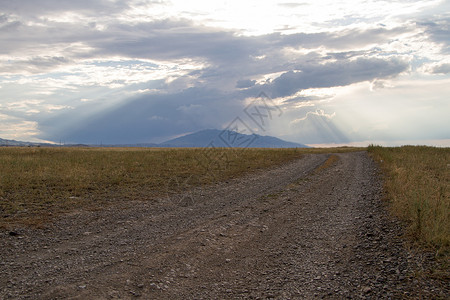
(417,184)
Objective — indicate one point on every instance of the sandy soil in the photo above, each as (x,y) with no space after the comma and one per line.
(296,231)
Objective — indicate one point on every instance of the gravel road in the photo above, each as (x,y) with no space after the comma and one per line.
(296,231)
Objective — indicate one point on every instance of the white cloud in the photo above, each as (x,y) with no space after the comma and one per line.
(31,106)
(318,112)
(441,67)
(12,128)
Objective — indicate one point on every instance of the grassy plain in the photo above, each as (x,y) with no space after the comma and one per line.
(417,182)
(38,183)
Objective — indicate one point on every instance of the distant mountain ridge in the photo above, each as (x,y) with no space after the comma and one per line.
(14,143)
(227,138)
(203,138)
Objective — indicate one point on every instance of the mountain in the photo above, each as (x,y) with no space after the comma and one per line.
(14,143)
(4,142)
(203,138)
(139,145)
(227,138)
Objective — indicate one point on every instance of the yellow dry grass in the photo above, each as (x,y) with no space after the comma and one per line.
(36,183)
(417,183)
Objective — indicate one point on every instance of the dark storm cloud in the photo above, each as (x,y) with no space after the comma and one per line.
(171,39)
(339,73)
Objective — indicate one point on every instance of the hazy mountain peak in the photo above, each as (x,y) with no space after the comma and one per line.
(228,138)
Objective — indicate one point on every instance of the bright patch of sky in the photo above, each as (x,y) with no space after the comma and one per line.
(142,71)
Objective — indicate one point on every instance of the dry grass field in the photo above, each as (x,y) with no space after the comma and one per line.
(38,183)
(417,184)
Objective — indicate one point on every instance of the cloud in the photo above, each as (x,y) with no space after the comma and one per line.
(35,9)
(291,4)
(339,73)
(29,107)
(340,39)
(15,128)
(441,69)
(245,83)
(174,39)
(318,112)
(34,65)
(318,127)
(439,32)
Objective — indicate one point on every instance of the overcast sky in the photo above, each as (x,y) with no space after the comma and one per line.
(314,72)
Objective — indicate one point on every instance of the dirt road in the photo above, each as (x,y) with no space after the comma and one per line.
(307,229)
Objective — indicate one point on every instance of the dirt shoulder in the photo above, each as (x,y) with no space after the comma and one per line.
(315,227)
